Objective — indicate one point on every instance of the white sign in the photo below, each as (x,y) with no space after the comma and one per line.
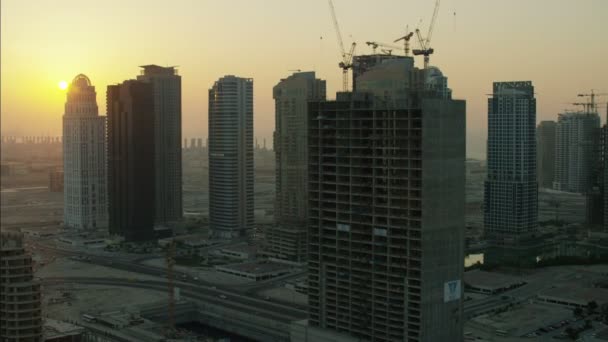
(451,291)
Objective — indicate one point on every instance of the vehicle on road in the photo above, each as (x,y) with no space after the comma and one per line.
(223,296)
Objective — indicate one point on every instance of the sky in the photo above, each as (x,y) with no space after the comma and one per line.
(560,45)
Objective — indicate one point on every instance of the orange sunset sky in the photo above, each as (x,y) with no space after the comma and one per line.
(561,45)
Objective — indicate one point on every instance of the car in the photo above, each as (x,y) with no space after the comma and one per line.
(266,298)
(195,278)
(223,296)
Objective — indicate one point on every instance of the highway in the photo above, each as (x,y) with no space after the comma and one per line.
(271,310)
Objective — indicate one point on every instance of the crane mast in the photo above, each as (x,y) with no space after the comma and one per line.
(346,62)
(425,43)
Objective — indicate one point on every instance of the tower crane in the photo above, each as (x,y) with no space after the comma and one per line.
(425,43)
(375,45)
(592,96)
(347,57)
(406,40)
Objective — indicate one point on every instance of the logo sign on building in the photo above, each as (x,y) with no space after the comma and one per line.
(451,291)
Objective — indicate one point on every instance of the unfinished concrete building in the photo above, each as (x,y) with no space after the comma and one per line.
(386,217)
(20,306)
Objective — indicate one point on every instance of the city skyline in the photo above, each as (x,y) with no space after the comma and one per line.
(546,54)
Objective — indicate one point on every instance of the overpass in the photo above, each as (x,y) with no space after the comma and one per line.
(258,319)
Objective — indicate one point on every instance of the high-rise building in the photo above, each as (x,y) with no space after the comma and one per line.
(577,138)
(511,190)
(231,157)
(131,159)
(20,303)
(545,158)
(167,139)
(84,158)
(386,208)
(287,238)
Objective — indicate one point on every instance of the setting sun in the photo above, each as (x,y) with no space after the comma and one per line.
(63,85)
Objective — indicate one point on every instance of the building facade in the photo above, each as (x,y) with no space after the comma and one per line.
(287,239)
(231,157)
(84,158)
(20,302)
(386,208)
(511,190)
(577,139)
(167,139)
(545,157)
(131,161)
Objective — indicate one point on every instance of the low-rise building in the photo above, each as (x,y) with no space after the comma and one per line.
(257,270)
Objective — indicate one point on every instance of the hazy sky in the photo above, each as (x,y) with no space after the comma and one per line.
(561,45)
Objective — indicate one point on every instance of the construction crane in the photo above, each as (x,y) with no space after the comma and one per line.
(425,43)
(592,105)
(347,57)
(406,40)
(170,260)
(375,45)
(586,106)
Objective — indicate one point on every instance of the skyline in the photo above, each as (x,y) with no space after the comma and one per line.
(266,41)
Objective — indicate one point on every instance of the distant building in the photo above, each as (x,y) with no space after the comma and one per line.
(511,189)
(131,157)
(84,158)
(167,139)
(287,239)
(577,138)
(386,208)
(545,156)
(20,303)
(231,157)
(56,181)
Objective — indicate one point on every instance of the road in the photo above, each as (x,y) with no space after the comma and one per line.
(271,310)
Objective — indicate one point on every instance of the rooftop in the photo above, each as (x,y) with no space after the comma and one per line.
(574,293)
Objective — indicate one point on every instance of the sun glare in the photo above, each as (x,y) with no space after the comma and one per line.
(63,85)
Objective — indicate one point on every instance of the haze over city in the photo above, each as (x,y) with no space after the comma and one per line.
(303,171)
(476,42)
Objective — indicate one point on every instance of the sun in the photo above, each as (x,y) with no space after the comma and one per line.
(63,85)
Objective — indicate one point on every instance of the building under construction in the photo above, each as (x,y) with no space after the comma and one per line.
(20,306)
(386,197)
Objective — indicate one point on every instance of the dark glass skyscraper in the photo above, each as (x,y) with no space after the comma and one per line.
(511,188)
(167,139)
(131,175)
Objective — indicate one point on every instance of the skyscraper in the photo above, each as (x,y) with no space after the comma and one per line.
(167,135)
(20,303)
(577,139)
(545,139)
(84,158)
(511,190)
(287,239)
(231,157)
(386,215)
(131,168)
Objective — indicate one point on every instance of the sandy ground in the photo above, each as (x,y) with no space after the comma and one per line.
(74,300)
